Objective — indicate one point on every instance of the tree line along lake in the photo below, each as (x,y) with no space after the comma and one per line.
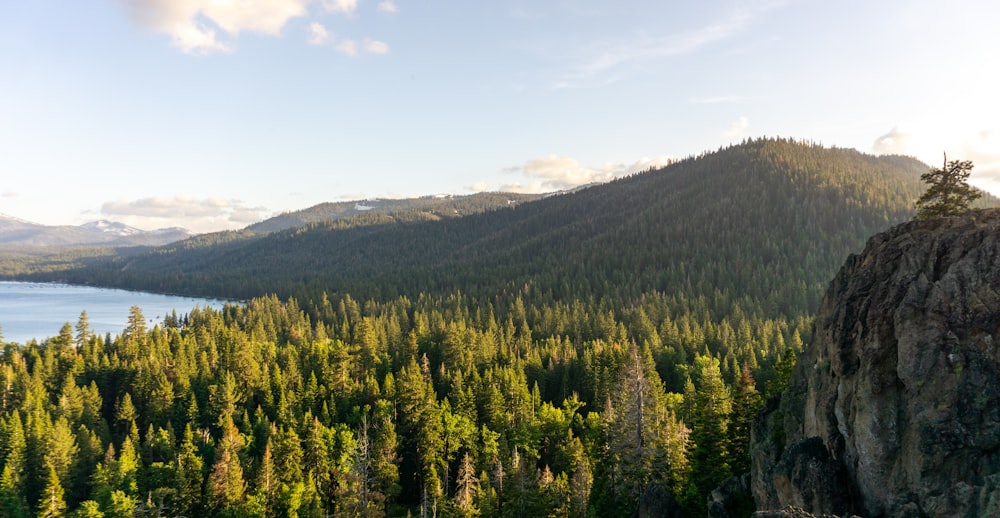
(30,310)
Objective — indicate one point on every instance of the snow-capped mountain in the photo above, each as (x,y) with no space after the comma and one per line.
(111,228)
(18,232)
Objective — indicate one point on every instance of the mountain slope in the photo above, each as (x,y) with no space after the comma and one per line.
(433,207)
(762,225)
(18,233)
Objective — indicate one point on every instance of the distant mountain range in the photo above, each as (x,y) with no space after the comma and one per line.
(20,233)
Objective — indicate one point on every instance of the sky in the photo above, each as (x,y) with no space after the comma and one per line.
(214,114)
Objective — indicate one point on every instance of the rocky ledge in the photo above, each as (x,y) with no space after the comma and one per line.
(894,409)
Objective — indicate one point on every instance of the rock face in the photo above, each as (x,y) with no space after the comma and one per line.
(894,409)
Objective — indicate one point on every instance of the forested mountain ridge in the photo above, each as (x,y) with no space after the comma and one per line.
(430,207)
(767,221)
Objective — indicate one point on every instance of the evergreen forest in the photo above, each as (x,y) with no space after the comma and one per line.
(585,354)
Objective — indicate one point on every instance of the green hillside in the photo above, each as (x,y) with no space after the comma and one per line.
(766,222)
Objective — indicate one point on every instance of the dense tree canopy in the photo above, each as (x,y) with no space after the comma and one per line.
(379,408)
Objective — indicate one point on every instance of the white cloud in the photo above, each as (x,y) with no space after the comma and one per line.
(212,26)
(340,6)
(646,164)
(8,193)
(197,215)
(738,129)
(194,38)
(376,47)
(347,47)
(479,187)
(603,62)
(529,188)
(895,142)
(387,7)
(318,35)
(192,24)
(555,173)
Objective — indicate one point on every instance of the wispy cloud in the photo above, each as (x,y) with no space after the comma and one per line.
(196,214)
(347,47)
(318,35)
(738,129)
(8,193)
(341,6)
(481,186)
(376,47)
(387,7)
(894,142)
(603,62)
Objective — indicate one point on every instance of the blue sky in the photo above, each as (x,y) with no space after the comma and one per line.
(212,114)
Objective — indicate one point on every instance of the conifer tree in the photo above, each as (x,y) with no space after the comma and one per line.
(746,402)
(710,429)
(646,443)
(466,487)
(12,500)
(266,483)
(52,504)
(226,486)
(948,192)
(188,473)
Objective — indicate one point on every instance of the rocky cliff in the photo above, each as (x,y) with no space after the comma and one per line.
(894,409)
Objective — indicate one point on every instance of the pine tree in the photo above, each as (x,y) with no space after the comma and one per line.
(948,192)
(226,487)
(267,484)
(61,449)
(188,473)
(746,402)
(52,503)
(646,443)
(710,429)
(385,460)
(466,487)
(12,482)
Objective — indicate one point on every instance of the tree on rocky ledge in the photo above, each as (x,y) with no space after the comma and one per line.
(947,193)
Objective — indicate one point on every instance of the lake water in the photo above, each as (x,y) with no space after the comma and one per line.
(35,310)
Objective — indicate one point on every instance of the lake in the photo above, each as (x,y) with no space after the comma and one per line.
(39,310)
